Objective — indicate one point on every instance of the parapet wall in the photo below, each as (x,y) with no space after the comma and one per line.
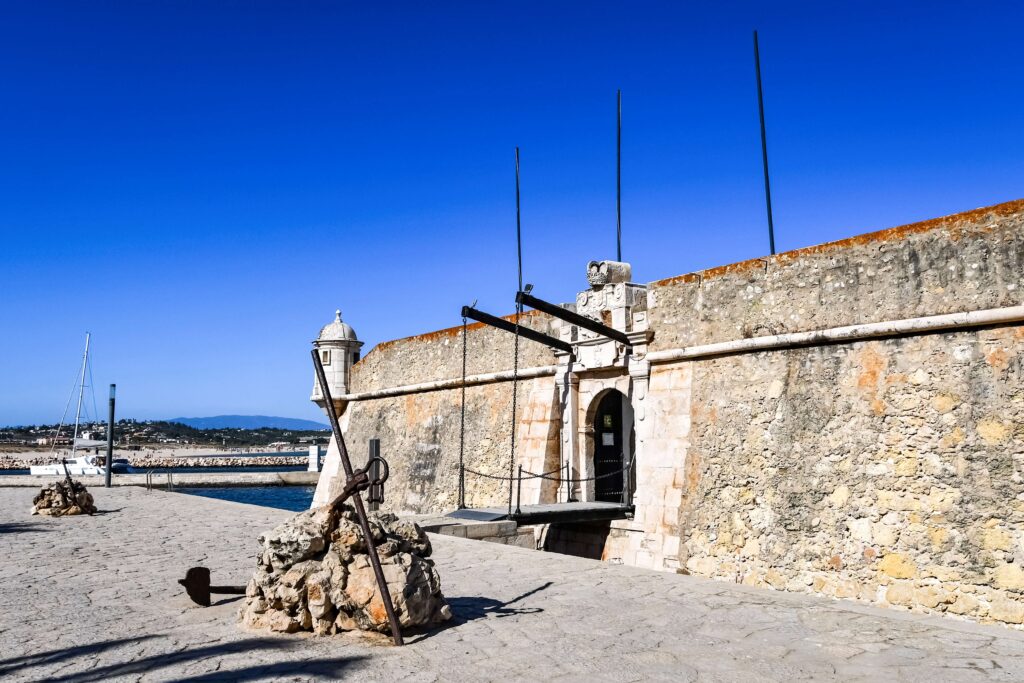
(438,355)
(968,261)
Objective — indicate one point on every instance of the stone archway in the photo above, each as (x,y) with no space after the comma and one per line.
(611,448)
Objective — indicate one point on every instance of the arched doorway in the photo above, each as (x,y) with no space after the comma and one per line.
(613,448)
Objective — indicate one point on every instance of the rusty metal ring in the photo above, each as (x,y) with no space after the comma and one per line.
(386,470)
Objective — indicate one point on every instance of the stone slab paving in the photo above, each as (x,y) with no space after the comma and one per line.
(90,599)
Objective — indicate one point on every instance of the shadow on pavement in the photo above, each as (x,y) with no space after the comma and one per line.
(465,609)
(17,527)
(16,664)
(164,660)
(326,669)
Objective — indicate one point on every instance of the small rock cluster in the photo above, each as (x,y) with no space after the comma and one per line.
(313,574)
(61,499)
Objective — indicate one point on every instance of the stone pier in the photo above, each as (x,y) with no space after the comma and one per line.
(96,599)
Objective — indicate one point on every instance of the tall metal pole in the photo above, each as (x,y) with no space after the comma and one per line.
(519,232)
(764,146)
(110,434)
(515,364)
(618,184)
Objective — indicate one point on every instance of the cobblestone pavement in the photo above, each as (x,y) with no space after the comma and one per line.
(90,599)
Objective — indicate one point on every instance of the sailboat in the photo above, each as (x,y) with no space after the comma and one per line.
(84,464)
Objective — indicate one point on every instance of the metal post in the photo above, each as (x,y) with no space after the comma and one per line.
(462,486)
(568,490)
(462,421)
(519,492)
(110,435)
(374,465)
(627,492)
(764,146)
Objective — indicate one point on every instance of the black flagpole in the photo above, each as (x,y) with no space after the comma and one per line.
(519,236)
(764,147)
(618,183)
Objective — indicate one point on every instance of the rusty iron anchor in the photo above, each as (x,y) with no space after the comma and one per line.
(197,579)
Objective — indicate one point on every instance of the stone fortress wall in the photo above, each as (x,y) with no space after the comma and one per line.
(887,470)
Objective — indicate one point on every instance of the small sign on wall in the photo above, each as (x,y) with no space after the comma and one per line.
(607,438)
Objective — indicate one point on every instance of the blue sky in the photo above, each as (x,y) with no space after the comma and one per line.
(201,184)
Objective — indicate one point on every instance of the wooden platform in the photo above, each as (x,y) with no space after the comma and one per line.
(550,513)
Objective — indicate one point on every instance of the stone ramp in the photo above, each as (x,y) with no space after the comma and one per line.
(95,598)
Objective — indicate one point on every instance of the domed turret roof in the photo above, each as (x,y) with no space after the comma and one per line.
(337,330)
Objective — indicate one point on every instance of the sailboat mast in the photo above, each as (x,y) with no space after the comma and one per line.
(81,392)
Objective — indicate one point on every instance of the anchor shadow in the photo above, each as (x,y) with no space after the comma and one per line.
(470,608)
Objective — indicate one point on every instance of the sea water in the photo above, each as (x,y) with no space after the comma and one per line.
(294,498)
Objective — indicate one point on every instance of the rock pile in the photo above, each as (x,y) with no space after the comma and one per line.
(313,574)
(60,499)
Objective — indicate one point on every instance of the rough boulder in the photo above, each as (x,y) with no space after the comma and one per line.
(313,574)
(61,498)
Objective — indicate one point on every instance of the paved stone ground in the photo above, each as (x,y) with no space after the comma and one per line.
(90,599)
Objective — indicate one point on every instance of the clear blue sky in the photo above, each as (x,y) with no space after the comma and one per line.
(201,184)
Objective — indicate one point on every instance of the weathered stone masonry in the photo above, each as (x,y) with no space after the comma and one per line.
(887,470)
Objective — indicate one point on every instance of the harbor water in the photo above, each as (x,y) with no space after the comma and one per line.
(294,498)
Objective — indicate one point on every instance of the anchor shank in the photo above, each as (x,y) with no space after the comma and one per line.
(357,501)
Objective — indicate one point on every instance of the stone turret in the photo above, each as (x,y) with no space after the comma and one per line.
(338,347)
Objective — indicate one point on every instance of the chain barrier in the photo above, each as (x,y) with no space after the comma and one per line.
(526,474)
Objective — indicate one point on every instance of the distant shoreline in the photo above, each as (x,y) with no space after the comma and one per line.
(165,457)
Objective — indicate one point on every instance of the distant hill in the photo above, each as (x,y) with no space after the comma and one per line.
(249,422)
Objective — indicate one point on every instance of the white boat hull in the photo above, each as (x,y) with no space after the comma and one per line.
(81,466)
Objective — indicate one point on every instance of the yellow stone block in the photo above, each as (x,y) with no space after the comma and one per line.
(1006,610)
(996,539)
(964,604)
(900,594)
(775,579)
(898,566)
(847,589)
(944,402)
(993,431)
(938,536)
(954,438)
(1010,577)
(930,596)
(907,467)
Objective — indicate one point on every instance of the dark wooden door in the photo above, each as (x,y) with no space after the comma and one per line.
(608,460)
